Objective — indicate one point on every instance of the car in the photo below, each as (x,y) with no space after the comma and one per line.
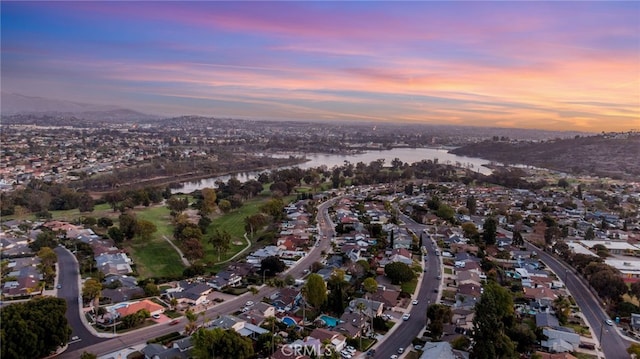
(435,290)
(245,309)
(417,347)
(415,301)
(249,303)
(174,322)
(59,286)
(305,271)
(406,316)
(400,350)
(350,348)
(439,277)
(609,322)
(74,338)
(218,300)
(394,356)
(155,316)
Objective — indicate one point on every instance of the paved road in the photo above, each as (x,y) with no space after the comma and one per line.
(427,294)
(102,346)
(613,345)
(68,278)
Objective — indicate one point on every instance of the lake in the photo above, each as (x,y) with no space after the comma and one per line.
(407,155)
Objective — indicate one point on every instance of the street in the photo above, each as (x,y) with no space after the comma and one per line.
(613,345)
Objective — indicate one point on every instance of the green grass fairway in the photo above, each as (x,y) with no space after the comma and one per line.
(155,257)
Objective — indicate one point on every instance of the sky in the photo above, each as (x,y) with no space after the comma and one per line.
(556,65)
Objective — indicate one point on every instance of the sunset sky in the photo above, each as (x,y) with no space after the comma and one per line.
(550,65)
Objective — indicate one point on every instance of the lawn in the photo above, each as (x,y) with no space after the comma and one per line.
(448,270)
(70,215)
(155,257)
(233,222)
(409,287)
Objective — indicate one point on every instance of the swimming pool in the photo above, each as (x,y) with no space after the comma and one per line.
(330,321)
(288,321)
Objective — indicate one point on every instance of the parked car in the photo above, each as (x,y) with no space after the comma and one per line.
(609,322)
(155,316)
(249,303)
(406,316)
(400,350)
(415,301)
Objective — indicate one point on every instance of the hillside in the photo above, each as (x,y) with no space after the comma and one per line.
(610,155)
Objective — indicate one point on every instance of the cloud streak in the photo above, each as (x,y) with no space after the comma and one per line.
(552,65)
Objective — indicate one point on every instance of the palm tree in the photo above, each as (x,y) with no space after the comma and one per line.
(192,317)
(174,303)
(361,307)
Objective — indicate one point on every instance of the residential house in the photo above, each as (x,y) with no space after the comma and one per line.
(158,351)
(372,308)
(134,307)
(352,324)
(337,340)
(388,297)
(560,341)
(225,278)
(110,264)
(241,326)
(286,298)
(194,293)
(635,322)
(437,350)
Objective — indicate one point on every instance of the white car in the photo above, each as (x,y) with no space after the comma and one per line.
(415,302)
(417,347)
(249,303)
(350,350)
(400,350)
(394,356)
(609,322)
(156,316)
(406,316)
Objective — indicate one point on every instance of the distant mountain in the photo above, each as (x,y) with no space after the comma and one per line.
(612,154)
(17,104)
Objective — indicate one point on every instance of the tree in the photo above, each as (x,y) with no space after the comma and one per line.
(192,248)
(489,229)
(315,291)
(221,241)
(46,238)
(151,289)
(254,222)
(494,317)
(398,272)
(224,205)
(470,230)
(144,229)
(192,317)
(272,265)
(274,208)
(208,204)
(370,285)
(176,204)
(221,344)
(85,203)
(116,234)
(634,349)
(517,239)
(472,205)
(128,225)
(635,289)
(33,329)
(438,315)
(91,290)
(48,259)
(589,234)
(105,222)
(88,355)
(445,212)
(562,182)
